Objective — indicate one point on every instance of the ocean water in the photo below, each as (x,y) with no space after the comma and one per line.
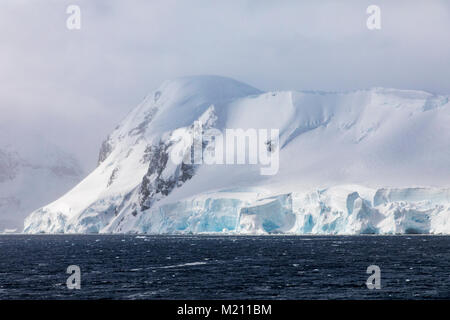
(224,267)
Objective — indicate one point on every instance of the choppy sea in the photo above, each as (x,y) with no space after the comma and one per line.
(224,267)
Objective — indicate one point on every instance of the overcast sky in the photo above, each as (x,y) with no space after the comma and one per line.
(72,87)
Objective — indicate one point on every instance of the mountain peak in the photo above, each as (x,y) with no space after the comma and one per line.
(210,87)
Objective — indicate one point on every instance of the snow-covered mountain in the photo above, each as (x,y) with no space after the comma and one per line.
(369,161)
(32,173)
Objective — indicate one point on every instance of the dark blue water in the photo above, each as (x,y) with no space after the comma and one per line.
(224,267)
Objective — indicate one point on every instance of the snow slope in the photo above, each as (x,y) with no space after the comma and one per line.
(31,175)
(369,161)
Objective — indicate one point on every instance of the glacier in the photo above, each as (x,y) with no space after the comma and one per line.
(338,210)
(372,161)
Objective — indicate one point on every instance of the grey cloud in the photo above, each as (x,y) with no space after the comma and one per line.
(74,86)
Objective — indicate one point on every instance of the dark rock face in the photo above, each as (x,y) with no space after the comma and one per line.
(158,157)
(105,151)
(148,117)
(113,176)
(154,186)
